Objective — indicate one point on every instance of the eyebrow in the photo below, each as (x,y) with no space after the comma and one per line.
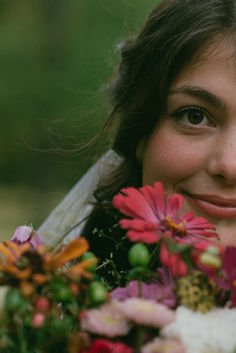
(200,93)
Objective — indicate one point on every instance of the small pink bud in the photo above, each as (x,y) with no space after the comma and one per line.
(38,320)
(42,304)
(74,288)
(25,234)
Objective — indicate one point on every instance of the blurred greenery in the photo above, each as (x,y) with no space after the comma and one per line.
(56,58)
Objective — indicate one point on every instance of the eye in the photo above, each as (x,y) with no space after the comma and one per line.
(194,116)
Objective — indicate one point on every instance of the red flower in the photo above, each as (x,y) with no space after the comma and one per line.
(174,261)
(154,219)
(106,346)
(228,271)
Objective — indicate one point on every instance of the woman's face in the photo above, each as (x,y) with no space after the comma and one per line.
(193,150)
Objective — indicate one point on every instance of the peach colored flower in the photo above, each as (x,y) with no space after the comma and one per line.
(147,312)
(159,345)
(108,320)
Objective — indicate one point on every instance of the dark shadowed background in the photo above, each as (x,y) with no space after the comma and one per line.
(56,58)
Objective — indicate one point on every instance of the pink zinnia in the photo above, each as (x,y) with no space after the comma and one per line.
(153,218)
(25,234)
(147,312)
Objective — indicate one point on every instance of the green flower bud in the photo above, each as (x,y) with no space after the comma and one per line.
(60,327)
(139,255)
(211,260)
(96,293)
(13,300)
(137,273)
(61,291)
(213,250)
(89,255)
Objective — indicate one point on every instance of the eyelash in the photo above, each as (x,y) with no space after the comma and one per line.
(180,113)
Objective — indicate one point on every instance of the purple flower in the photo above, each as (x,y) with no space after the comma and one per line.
(166,284)
(162,290)
(25,234)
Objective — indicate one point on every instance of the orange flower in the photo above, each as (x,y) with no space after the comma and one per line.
(39,278)
(38,266)
(10,254)
(68,253)
(79,269)
(27,288)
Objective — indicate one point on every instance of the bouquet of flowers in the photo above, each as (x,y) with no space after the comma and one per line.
(179,294)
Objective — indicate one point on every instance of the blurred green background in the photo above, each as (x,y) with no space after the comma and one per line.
(56,57)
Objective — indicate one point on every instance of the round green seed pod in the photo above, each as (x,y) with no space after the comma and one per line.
(96,293)
(139,255)
(87,256)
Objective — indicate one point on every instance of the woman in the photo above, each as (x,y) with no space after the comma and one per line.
(174,109)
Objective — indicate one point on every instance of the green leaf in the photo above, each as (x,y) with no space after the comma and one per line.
(177,248)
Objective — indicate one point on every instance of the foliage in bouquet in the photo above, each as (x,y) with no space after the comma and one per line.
(178,274)
(44,296)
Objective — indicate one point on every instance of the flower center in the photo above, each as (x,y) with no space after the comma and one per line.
(111,320)
(179,227)
(146,307)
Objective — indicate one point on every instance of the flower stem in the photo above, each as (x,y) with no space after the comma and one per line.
(154,255)
(140,288)
(22,342)
(141,334)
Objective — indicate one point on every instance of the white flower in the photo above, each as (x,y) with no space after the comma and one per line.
(213,332)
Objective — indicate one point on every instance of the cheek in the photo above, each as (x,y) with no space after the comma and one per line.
(170,158)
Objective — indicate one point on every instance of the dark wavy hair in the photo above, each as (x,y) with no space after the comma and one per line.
(174,33)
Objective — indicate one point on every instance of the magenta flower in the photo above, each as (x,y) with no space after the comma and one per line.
(25,234)
(228,271)
(166,282)
(162,290)
(153,219)
(101,345)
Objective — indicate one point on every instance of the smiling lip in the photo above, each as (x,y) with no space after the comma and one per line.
(213,205)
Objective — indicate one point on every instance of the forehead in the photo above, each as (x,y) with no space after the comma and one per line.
(219,54)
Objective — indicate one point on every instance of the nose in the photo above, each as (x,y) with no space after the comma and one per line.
(222,160)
